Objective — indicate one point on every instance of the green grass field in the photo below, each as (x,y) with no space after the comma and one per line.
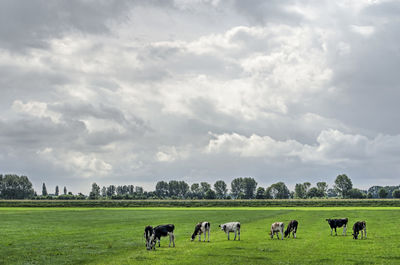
(114,236)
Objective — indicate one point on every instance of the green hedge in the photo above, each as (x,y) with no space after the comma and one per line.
(202,203)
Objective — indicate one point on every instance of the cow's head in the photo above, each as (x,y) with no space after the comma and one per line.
(223,227)
(287,232)
(150,240)
(355,235)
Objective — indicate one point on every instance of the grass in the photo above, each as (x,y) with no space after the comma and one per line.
(114,236)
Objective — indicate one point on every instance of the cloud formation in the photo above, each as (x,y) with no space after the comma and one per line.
(132,92)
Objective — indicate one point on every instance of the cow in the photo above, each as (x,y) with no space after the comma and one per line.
(202,228)
(148,230)
(231,227)
(277,228)
(292,227)
(158,232)
(360,226)
(335,223)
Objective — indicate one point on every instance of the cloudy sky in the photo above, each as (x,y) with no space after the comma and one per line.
(132,92)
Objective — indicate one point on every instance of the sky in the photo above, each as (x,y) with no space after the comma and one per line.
(133,92)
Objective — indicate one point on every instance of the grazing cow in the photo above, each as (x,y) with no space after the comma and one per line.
(231,227)
(158,232)
(277,228)
(360,226)
(148,230)
(292,227)
(335,223)
(202,227)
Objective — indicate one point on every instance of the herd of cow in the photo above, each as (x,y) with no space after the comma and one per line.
(154,234)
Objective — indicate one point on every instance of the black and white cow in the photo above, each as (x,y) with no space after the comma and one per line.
(360,226)
(335,223)
(231,227)
(277,228)
(292,227)
(148,230)
(202,228)
(158,232)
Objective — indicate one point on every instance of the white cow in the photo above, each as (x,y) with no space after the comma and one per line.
(277,228)
(231,227)
(202,228)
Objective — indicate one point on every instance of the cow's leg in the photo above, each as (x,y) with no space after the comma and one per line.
(331,230)
(282,234)
(199,237)
(344,230)
(170,239)
(235,234)
(208,231)
(228,236)
(335,231)
(173,239)
(294,234)
(365,232)
(239,234)
(159,240)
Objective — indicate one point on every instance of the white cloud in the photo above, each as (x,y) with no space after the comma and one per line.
(37,109)
(332,147)
(365,31)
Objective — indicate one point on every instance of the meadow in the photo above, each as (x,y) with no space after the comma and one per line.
(115,236)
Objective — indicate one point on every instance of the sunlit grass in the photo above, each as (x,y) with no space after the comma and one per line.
(114,236)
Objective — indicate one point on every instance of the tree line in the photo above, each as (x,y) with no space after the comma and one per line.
(19,187)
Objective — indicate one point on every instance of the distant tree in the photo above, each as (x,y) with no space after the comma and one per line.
(57,191)
(44,190)
(210,194)
(204,187)
(396,194)
(15,187)
(331,193)
(183,189)
(279,191)
(342,185)
(260,193)
(249,188)
(220,189)
(315,193)
(173,188)
(131,189)
(356,194)
(237,187)
(322,187)
(374,191)
(307,186)
(65,190)
(111,191)
(162,189)
(369,195)
(300,191)
(195,190)
(268,193)
(138,190)
(95,192)
(104,192)
(383,193)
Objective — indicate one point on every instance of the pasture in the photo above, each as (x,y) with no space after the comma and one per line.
(114,236)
